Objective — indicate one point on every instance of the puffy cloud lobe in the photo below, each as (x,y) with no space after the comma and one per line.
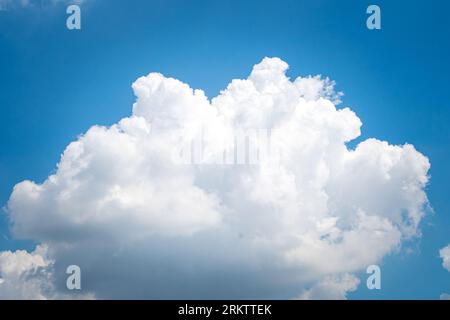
(321,211)
(25,275)
(331,288)
(30,276)
(445,256)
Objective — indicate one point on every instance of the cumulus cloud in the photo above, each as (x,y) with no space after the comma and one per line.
(141,225)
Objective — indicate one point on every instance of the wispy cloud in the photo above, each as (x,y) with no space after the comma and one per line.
(18,4)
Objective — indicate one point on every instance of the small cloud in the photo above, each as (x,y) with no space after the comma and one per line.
(445,296)
(445,256)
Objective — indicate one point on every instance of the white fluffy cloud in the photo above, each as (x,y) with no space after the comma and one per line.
(25,275)
(445,256)
(140,225)
(30,276)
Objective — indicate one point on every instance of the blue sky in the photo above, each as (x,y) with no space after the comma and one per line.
(56,83)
